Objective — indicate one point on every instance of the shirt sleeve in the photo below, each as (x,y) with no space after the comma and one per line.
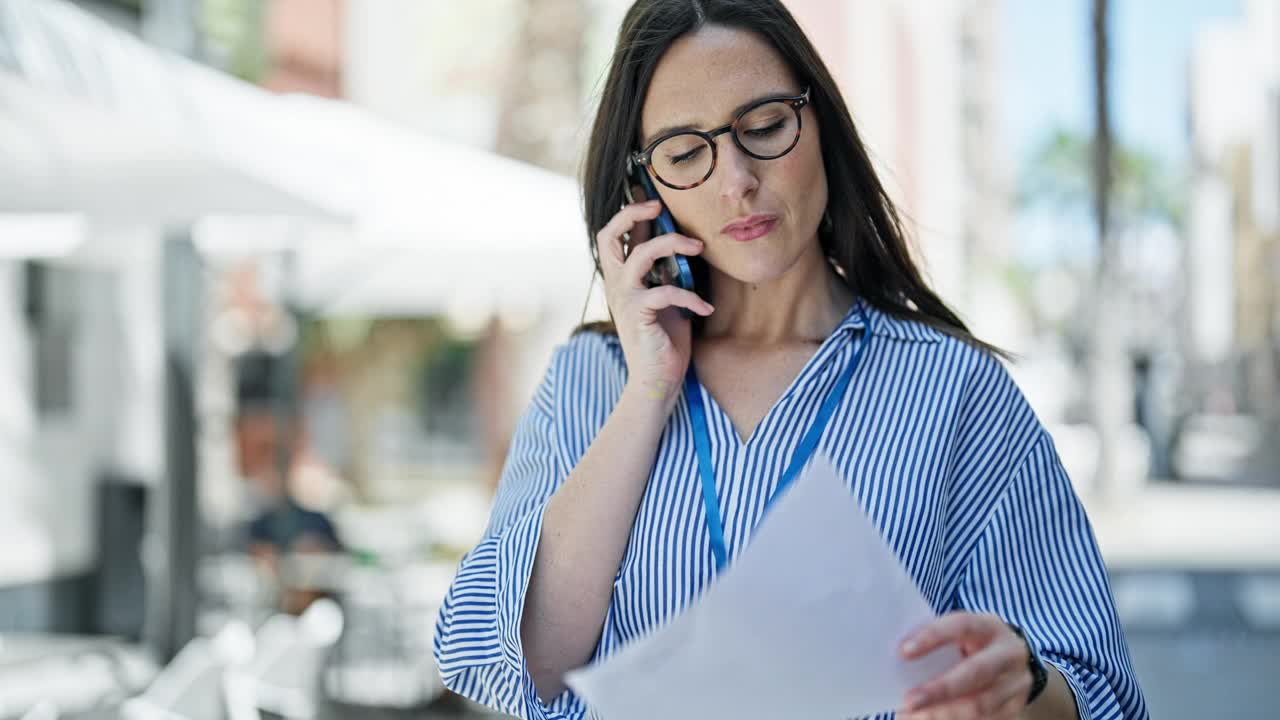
(477,638)
(1037,565)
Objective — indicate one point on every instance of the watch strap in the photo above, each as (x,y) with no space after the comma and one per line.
(1039,673)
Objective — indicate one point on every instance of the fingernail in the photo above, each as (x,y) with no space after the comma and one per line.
(915,700)
(910,647)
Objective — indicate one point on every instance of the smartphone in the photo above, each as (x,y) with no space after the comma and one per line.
(673,270)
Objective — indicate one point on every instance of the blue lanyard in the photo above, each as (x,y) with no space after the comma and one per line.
(799,458)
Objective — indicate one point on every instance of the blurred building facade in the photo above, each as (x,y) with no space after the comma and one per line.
(1234,238)
(82,368)
(922,80)
(76,413)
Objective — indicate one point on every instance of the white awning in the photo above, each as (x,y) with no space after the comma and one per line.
(93,121)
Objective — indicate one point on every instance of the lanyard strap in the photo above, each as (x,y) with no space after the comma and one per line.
(799,457)
(702,444)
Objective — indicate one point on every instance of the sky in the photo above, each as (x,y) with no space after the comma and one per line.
(1049,69)
(1049,86)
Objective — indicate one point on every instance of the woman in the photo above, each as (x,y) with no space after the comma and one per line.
(807,296)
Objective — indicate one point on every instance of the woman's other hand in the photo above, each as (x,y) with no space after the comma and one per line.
(992,682)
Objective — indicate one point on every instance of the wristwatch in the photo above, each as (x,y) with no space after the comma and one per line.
(1039,674)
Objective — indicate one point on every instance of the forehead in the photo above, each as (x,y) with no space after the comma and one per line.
(704,75)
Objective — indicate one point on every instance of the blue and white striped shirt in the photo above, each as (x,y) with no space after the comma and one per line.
(934,439)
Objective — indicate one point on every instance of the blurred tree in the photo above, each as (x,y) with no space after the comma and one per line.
(1060,174)
(1143,195)
(1119,186)
(1108,381)
(234,34)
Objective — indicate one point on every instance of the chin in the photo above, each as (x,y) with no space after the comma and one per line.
(754,273)
(756,266)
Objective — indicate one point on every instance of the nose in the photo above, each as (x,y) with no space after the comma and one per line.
(736,170)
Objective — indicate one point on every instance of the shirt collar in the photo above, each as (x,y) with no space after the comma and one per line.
(886,325)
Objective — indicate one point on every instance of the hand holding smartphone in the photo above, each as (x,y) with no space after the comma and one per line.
(648,271)
(672,270)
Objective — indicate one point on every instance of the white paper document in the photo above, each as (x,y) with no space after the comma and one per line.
(805,623)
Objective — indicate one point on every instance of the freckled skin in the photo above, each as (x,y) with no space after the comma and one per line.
(700,80)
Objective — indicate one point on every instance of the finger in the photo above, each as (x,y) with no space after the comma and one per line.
(931,714)
(1013,707)
(644,255)
(1009,709)
(626,221)
(1004,700)
(977,673)
(665,296)
(1012,690)
(608,239)
(950,628)
(960,710)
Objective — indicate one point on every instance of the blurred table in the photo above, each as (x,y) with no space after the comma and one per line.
(76,673)
(383,658)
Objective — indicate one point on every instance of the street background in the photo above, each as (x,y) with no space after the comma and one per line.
(278,276)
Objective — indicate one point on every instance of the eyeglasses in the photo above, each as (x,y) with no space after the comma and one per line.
(685,159)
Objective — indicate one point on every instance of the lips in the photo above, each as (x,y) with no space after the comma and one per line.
(750,228)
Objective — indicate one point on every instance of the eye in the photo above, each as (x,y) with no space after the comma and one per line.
(686,157)
(766,131)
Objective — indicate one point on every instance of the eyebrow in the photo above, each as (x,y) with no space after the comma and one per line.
(669,129)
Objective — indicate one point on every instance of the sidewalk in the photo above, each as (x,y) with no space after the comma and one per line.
(1189,527)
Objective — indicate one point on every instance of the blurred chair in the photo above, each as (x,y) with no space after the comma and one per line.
(193,686)
(283,678)
(43,710)
(384,658)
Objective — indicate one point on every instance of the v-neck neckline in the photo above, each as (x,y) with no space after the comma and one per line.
(710,400)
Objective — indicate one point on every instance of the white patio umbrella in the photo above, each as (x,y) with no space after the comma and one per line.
(432,224)
(63,154)
(97,122)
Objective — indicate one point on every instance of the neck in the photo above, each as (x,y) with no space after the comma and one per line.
(804,304)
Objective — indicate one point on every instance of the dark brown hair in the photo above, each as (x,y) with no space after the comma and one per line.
(864,239)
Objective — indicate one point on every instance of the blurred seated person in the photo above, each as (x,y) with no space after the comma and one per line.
(281,525)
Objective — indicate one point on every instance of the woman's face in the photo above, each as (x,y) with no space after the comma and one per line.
(700,81)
